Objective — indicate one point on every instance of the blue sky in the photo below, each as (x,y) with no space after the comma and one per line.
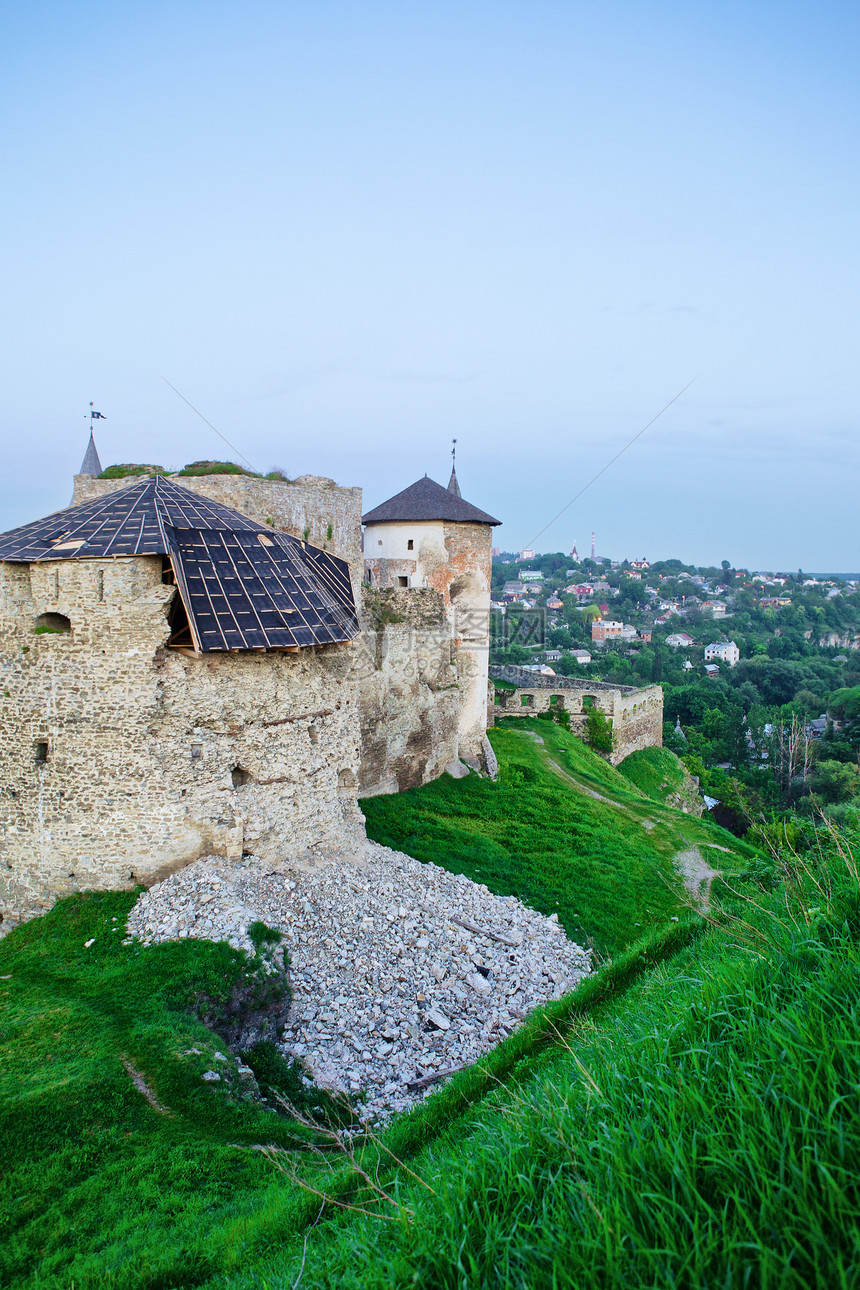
(349,233)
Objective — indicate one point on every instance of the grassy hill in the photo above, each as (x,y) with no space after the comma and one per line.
(659,773)
(564,831)
(688,1116)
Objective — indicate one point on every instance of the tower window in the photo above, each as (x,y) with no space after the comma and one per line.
(410,545)
(40,754)
(404,581)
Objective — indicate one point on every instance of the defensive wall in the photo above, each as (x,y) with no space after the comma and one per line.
(636,714)
(421,689)
(409,688)
(122,759)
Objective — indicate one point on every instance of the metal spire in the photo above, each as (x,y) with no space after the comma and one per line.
(91,464)
(453,485)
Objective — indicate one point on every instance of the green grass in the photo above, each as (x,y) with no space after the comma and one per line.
(128,469)
(700,1128)
(656,771)
(561,829)
(97,1186)
(689,1116)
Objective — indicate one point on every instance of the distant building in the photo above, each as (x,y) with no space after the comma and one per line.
(645,634)
(639,564)
(555,603)
(712,670)
(526,555)
(680,640)
(514,591)
(531,575)
(723,652)
(581,656)
(552,655)
(604,629)
(715,607)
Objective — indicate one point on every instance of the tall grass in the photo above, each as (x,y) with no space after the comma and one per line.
(703,1130)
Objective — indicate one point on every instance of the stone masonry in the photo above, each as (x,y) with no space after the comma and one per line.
(636,714)
(121,760)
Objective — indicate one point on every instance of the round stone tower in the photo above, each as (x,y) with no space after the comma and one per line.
(429,536)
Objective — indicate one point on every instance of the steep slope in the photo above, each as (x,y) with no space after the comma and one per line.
(565,832)
(662,776)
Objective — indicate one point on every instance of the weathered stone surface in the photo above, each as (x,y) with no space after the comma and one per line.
(121,760)
(636,714)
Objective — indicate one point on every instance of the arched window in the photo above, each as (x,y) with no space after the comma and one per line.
(47,624)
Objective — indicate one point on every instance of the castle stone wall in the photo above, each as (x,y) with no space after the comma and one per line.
(410,696)
(121,760)
(636,714)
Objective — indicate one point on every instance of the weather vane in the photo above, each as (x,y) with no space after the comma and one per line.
(454,452)
(96,416)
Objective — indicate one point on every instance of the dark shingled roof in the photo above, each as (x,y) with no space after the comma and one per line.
(243,585)
(427,500)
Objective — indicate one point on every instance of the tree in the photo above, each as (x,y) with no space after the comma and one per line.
(834,781)
(598,731)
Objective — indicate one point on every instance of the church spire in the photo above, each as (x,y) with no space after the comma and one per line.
(453,485)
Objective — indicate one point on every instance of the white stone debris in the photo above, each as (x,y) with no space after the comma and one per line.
(389,985)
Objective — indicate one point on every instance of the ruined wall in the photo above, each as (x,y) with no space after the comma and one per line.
(410,698)
(121,760)
(636,714)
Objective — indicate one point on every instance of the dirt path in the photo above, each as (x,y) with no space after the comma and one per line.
(697,874)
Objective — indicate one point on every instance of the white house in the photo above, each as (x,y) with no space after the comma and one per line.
(680,640)
(722,652)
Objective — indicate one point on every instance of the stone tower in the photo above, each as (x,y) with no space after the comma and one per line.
(429,536)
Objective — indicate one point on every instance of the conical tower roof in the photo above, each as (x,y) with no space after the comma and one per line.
(91,464)
(453,485)
(427,500)
(242,588)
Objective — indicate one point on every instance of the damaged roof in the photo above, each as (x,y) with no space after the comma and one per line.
(243,586)
(427,500)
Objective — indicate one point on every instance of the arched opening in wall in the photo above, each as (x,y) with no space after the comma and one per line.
(240,776)
(556,701)
(346,781)
(527,700)
(40,753)
(51,624)
(588,702)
